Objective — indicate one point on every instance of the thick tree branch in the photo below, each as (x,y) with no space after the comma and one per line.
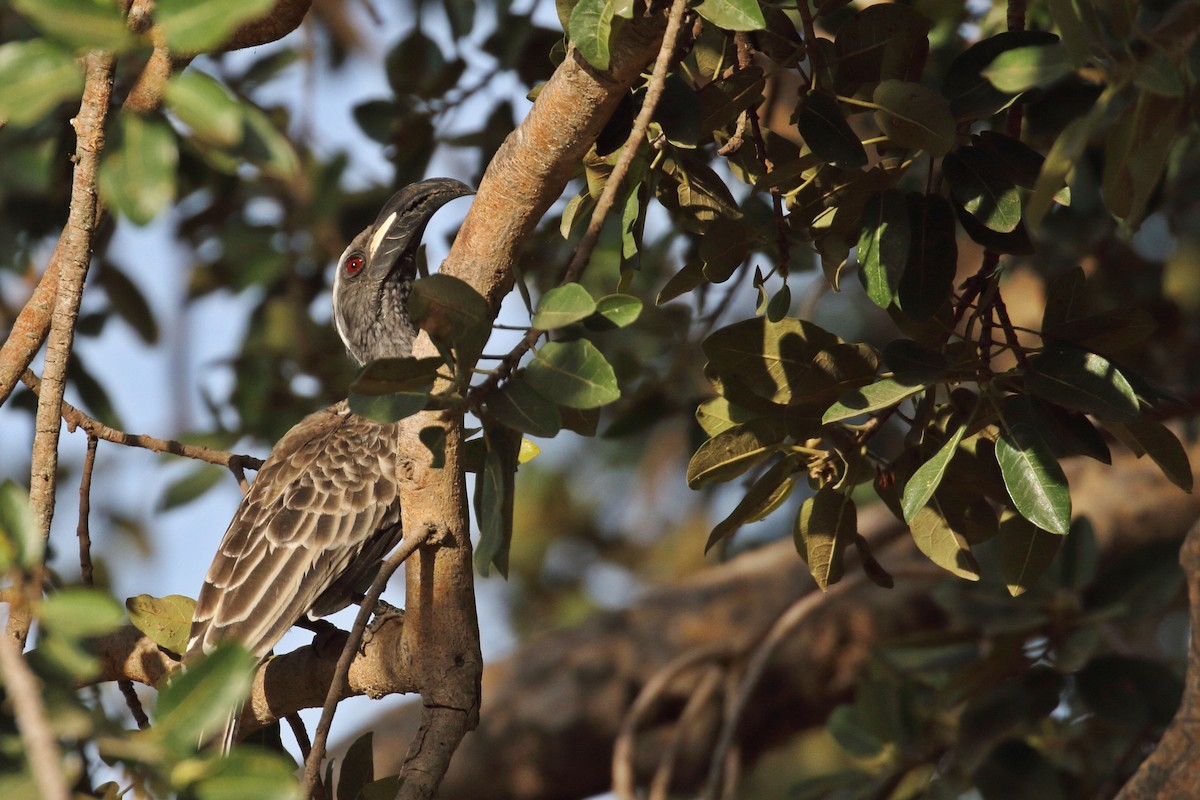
(77,254)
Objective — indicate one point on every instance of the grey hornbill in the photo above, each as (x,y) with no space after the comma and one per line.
(325,507)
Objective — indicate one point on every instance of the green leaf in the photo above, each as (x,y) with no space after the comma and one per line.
(562,306)
(732,15)
(521,408)
(197,26)
(1024,68)
(1084,381)
(387,408)
(36,76)
(81,25)
(494,488)
(20,543)
(138,176)
(454,315)
(1148,436)
(724,247)
(358,768)
(733,451)
(879,42)
(1025,552)
(388,375)
(1112,331)
(934,536)
(383,789)
(266,147)
(925,481)
(826,523)
(191,486)
(1066,299)
(979,184)
(167,621)
(76,612)
(247,773)
(589,29)
(575,374)
(682,282)
(972,96)
(196,702)
(912,116)
(928,279)
(128,301)
(614,311)
(827,133)
(762,495)
(206,107)
(884,393)
(911,363)
(1071,433)
(883,246)
(780,304)
(718,415)
(1034,480)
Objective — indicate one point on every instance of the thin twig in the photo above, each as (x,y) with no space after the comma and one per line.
(82,532)
(134,703)
(89,130)
(623,749)
(79,419)
(312,764)
(583,251)
(300,732)
(810,42)
(41,748)
(710,681)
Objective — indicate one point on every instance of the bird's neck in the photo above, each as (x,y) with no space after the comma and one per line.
(387,331)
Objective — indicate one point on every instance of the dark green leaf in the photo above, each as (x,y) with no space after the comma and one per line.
(36,76)
(912,116)
(933,258)
(358,768)
(826,523)
(682,282)
(1084,381)
(723,100)
(196,702)
(1034,479)
(206,107)
(191,486)
(1066,299)
(1149,436)
(434,439)
(1129,692)
(883,246)
(732,15)
(167,621)
(780,304)
(725,245)
(454,315)
(884,393)
(416,66)
(129,302)
(980,185)
(266,147)
(827,133)
(925,481)
(878,43)
(388,375)
(391,407)
(913,363)
(196,26)
(1071,433)
(972,96)
(518,406)
(733,451)
(718,415)
(1025,552)
(1112,331)
(1023,68)
(81,25)
(383,789)
(761,495)
(138,177)
(245,773)
(494,488)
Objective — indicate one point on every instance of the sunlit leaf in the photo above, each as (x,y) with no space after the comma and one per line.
(731,452)
(167,621)
(196,26)
(206,107)
(943,545)
(1023,68)
(563,305)
(1034,480)
(826,523)
(1084,381)
(980,185)
(573,374)
(20,543)
(883,246)
(615,311)
(925,481)
(80,24)
(589,28)
(36,76)
(884,393)
(732,15)
(77,611)
(137,177)
(972,96)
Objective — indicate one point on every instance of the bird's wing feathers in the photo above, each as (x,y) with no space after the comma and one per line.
(325,497)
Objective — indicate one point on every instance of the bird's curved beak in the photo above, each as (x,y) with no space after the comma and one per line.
(397,231)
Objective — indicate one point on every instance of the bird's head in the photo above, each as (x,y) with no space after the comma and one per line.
(375,273)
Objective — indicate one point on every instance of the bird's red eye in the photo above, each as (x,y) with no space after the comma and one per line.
(354,265)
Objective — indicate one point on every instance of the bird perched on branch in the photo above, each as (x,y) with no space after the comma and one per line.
(325,507)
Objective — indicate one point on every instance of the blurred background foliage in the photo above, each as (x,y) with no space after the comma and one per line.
(258,196)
